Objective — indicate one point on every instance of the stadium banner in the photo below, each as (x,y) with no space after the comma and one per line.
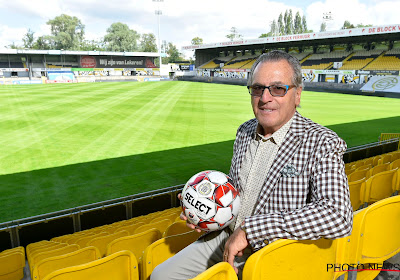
(382,83)
(14,69)
(349,79)
(27,82)
(384,72)
(88,61)
(60,77)
(230,74)
(309,76)
(373,30)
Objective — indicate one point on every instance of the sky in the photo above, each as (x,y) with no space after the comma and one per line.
(182,20)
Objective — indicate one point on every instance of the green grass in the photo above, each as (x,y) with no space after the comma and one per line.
(67,145)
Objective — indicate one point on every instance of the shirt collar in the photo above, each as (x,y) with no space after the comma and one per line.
(277,137)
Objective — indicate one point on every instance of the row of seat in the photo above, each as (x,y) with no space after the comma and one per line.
(372,161)
(87,246)
(374,239)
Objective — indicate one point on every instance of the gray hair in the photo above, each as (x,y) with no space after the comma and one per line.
(277,55)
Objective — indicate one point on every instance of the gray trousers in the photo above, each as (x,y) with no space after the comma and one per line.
(197,257)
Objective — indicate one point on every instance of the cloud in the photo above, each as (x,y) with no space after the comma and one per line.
(9,35)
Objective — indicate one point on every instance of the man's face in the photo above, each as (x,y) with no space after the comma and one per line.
(273,112)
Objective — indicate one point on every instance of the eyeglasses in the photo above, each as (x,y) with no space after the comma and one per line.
(258,90)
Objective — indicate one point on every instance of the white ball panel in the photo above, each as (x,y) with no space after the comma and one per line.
(236,206)
(212,227)
(217,177)
(226,199)
(223,215)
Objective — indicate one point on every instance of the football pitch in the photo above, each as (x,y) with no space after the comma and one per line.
(66,145)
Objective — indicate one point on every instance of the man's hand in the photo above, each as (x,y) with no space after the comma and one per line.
(184,218)
(235,246)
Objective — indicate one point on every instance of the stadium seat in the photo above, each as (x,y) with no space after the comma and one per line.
(295,259)
(130,227)
(82,242)
(369,161)
(169,216)
(35,251)
(35,259)
(387,158)
(219,271)
(377,169)
(119,266)
(163,249)
(46,266)
(176,228)
(136,244)
(357,175)
(101,242)
(395,164)
(36,245)
(355,189)
(379,186)
(358,164)
(160,225)
(364,167)
(378,233)
(12,263)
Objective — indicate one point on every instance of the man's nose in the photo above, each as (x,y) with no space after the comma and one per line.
(266,96)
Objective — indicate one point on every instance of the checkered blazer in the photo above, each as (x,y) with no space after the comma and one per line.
(309,202)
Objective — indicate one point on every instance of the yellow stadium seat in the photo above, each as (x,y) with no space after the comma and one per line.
(101,242)
(377,169)
(219,271)
(395,164)
(135,243)
(176,228)
(364,167)
(119,266)
(379,186)
(169,216)
(130,227)
(387,158)
(42,249)
(378,235)
(294,259)
(369,161)
(355,189)
(160,225)
(357,175)
(12,265)
(13,250)
(46,266)
(163,249)
(37,245)
(82,242)
(358,163)
(35,259)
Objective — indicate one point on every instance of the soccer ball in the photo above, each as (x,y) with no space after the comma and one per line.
(210,200)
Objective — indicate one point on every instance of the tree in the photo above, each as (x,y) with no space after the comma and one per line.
(92,45)
(347,25)
(362,25)
(42,43)
(274,28)
(281,25)
(323,27)
(290,23)
(13,46)
(67,32)
(197,41)
(234,34)
(148,43)
(298,27)
(304,24)
(29,39)
(120,38)
(173,53)
(285,20)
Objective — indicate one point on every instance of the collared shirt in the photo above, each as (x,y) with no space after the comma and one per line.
(255,167)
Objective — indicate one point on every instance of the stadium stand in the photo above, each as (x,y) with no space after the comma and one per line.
(175,228)
(119,266)
(356,188)
(389,60)
(101,242)
(324,60)
(219,271)
(240,62)
(215,62)
(359,59)
(160,225)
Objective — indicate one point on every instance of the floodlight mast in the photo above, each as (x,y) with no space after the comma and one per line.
(159,13)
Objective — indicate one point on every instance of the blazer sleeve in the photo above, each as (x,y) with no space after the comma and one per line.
(329,213)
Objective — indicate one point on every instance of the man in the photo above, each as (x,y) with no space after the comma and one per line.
(290,173)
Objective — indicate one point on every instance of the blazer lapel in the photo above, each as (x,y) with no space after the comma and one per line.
(285,154)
